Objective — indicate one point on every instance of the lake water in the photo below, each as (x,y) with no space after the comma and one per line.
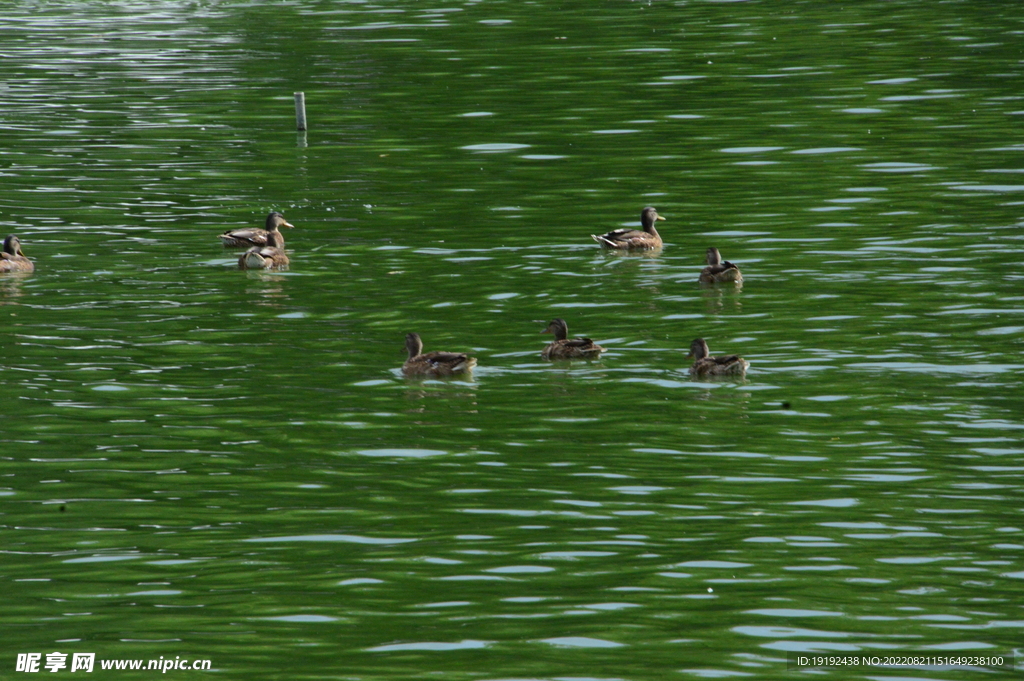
(205,463)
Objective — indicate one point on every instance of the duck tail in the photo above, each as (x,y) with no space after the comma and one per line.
(252,260)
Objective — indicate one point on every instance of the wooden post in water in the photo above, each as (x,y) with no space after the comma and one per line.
(300,111)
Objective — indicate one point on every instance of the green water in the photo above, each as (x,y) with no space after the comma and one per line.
(225,465)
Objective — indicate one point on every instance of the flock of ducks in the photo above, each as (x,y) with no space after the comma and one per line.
(437,364)
(265,250)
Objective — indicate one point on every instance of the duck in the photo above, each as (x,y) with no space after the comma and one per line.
(633,239)
(434,363)
(271,256)
(564,348)
(254,236)
(12,258)
(717,271)
(705,366)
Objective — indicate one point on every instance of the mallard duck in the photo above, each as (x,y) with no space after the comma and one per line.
(564,348)
(254,236)
(271,256)
(434,363)
(12,259)
(718,271)
(705,366)
(634,239)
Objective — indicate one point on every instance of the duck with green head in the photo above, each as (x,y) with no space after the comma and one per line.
(12,258)
(634,239)
(434,364)
(254,236)
(564,347)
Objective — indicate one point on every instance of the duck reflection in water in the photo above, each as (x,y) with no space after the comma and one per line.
(438,402)
(264,288)
(718,298)
(10,287)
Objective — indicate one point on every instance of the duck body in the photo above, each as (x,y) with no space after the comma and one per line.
(706,366)
(269,257)
(718,272)
(634,239)
(434,364)
(248,237)
(568,348)
(12,259)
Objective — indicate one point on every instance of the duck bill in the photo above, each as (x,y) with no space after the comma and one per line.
(287,224)
(660,217)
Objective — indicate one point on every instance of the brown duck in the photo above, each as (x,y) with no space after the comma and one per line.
(705,366)
(254,236)
(269,257)
(717,271)
(434,363)
(565,348)
(634,239)
(12,258)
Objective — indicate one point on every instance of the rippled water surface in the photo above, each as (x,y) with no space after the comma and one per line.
(209,463)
